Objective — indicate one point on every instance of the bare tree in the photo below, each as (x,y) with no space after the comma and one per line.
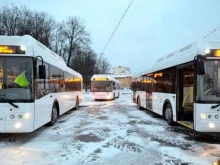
(89,66)
(9,19)
(25,26)
(16,20)
(76,36)
(84,62)
(103,67)
(69,39)
(39,25)
(58,43)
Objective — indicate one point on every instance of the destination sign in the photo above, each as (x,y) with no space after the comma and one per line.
(5,49)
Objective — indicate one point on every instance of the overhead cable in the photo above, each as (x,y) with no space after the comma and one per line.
(112,34)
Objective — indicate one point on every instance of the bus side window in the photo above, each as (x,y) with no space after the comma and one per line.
(113,84)
(40,90)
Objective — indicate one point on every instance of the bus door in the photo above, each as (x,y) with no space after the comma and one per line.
(185,85)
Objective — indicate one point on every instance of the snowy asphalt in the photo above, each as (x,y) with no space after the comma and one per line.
(110,133)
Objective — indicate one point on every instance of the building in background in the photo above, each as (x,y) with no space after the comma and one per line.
(124,75)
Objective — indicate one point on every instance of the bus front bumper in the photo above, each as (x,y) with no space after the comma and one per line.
(102,95)
(16,126)
(207,126)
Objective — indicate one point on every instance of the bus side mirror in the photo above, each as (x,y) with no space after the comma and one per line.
(42,72)
(201,64)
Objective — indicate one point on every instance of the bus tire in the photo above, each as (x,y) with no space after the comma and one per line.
(118,94)
(168,114)
(54,115)
(139,103)
(77,103)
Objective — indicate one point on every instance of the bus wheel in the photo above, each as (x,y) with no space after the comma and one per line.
(118,94)
(77,104)
(169,114)
(139,103)
(54,115)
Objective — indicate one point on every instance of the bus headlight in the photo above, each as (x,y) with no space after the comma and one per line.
(203,116)
(216,116)
(19,116)
(209,116)
(18,125)
(211,125)
(12,116)
(27,115)
(23,48)
(207,51)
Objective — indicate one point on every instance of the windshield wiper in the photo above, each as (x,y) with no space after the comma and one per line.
(9,101)
(215,106)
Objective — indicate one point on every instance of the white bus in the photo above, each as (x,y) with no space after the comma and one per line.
(36,86)
(104,86)
(184,87)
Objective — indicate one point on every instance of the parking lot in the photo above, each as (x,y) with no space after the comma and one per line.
(109,132)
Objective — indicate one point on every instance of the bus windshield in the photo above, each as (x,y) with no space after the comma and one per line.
(208,85)
(101,86)
(16,77)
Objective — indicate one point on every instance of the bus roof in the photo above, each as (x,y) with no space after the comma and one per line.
(109,76)
(181,56)
(34,48)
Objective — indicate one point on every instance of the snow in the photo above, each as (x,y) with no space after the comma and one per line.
(107,133)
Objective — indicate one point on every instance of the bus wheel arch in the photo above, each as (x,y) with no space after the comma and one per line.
(168,112)
(139,103)
(58,107)
(77,103)
(54,113)
(137,99)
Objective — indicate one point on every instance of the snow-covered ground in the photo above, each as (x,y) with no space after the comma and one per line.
(109,133)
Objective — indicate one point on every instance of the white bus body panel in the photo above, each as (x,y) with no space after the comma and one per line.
(66,101)
(180,56)
(41,109)
(102,95)
(69,100)
(142,96)
(8,125)
(183,55)
(105,95)
(40,112)
(159,99)
(203,125)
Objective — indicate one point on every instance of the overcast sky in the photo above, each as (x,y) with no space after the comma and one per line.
(151,28)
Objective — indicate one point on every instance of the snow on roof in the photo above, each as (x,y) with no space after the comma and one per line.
(34,48)
(109,76)
(120,75)
(124,72)
(183,55)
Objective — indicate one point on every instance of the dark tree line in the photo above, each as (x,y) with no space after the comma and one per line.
(69,38)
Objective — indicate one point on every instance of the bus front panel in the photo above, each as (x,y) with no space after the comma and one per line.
(16,120)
